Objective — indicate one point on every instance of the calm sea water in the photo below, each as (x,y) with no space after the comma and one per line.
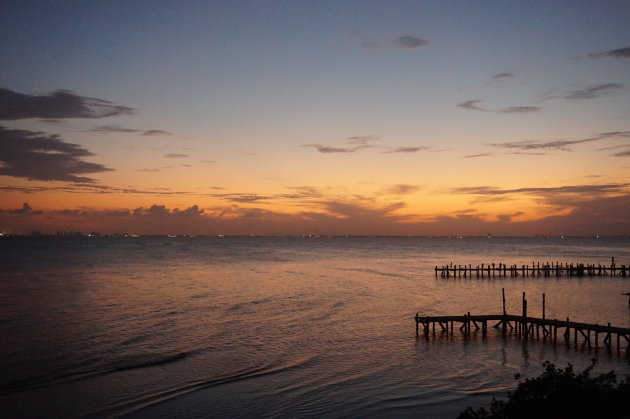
(279,327)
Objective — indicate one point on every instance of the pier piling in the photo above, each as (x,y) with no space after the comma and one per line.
(526,327)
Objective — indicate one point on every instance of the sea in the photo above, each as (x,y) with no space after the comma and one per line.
(162,327)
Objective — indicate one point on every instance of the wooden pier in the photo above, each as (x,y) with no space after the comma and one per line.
(536,269)
(527,327)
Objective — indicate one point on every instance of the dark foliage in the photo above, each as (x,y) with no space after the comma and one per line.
(559,393)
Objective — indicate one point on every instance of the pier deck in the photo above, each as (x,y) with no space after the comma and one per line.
(536,269)
(525,327)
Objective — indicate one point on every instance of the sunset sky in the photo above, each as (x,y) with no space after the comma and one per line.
(315,117)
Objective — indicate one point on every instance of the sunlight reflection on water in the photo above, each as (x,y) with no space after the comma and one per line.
(278,326)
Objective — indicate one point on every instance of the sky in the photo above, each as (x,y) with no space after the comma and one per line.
(325,118)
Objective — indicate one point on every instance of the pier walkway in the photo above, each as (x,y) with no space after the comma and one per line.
(527,327)
(536,269)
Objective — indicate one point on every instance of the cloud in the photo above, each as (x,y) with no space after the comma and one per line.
(246,199)
(402,189)
(501,76)
(520,109)
(161,211)
(527,153)
(568,189)
(472,105)
(562,145)
(602,215)
(155,132)
(328,149)
(38,156)
(355,144)
(113,129)
(622,154)
(349,210)
(60,104)
(175,156)
(506,218)
(25,210)
(305,191)
(473,156)
(409,42)
(594,91)
(613,53)
(406,149)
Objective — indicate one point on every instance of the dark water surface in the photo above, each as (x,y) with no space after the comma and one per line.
(268,327)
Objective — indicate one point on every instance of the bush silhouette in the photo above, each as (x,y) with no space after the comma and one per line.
(561,393)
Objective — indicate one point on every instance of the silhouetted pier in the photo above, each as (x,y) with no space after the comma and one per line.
(536,269)
(527,327)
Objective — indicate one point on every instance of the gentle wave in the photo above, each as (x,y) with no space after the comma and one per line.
(137,404)
(124,364)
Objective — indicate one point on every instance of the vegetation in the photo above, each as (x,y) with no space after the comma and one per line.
(559,393)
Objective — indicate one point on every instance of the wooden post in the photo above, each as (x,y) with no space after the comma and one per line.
(503,295)
(417,321)
(618,346)
(468,323)
(543,313)
(524,322)
(596,337)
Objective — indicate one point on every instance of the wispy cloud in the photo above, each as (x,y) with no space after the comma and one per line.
(406,149)
(593,91)
(506,218)
(355,144)
(474,156)
(114,129)
(501,76)
(401,189)
(58,105)
(613,53)
(406,42)
(562,145)
(528,153)
(568,189)
(38,156)
(155,132)
(409,42)
(472,105)
(175,156)
(520,109)
(154,170)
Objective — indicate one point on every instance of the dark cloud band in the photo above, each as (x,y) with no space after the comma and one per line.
(37,156)
(58,105)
